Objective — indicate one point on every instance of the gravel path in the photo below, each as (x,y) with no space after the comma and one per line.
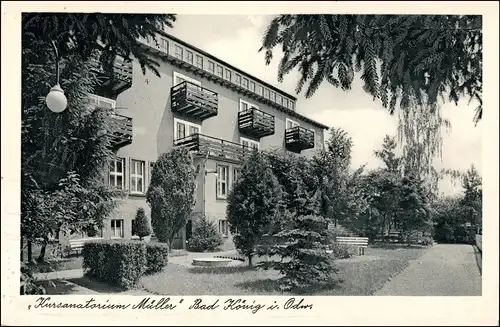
(445,269)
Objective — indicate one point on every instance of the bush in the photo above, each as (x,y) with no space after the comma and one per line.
(119,263)
(426,240)
(142,224)
(343,251)
(206,237)
(156,257)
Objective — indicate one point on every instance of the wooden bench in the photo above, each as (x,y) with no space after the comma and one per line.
(76,245)
(360,242)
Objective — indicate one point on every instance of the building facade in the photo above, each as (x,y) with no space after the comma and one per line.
(200,102)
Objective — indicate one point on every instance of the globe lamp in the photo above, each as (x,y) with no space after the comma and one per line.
(56,100)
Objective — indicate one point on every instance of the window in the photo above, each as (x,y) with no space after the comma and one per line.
(189,57)
(228,74)
(223,227)
(245,83)
(260,90)
(292,105)
(273,96)
(252,86)
(236,174)
(285,102)
(137,176)
(179,78)
(116,168)
(290,123)
(211,67)
(178,52)
(164,45)
(222,177)
(280,100)
(199,61)
(238,79)
(184,129)
(266,93)
(249,144)
(244,105)
(117,228)
(101,102)
(219,71)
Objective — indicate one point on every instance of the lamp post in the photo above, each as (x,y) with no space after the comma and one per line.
(56,100)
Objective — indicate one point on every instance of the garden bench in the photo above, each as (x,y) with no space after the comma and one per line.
(360,242)
(76,245)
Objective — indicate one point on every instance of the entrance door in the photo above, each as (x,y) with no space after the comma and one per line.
(189,229)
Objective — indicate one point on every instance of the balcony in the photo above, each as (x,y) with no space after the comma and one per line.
(121,79)
(214,147)
(193,100)
(256,123)
(299,138)
(122,131)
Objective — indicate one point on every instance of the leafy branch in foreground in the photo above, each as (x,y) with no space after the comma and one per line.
(400,57)
(111,34)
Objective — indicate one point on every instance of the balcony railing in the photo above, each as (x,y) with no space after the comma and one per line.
(214,147)
(256,123)
(299,138)
(193,100)
(122,131)
(122,75)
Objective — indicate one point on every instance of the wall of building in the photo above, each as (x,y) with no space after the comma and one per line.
(147,102)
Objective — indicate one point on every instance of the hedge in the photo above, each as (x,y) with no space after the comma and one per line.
(122,263)
(156,257)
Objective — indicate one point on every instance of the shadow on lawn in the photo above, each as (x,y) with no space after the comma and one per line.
(58,287)
(96,286)
(221,270)
(273,285)
(397,246)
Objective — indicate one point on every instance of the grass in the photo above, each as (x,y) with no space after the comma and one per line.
(356,276)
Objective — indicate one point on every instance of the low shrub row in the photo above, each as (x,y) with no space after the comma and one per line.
(122,263)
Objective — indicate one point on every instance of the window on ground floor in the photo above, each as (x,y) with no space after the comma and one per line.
(223,227)
(117,229)
(222,181)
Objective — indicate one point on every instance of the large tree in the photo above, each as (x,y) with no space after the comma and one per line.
(253,204)
(339,195)
(171,193)
(420,57)
(62,155)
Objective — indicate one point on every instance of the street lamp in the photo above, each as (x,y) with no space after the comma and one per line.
(56,100)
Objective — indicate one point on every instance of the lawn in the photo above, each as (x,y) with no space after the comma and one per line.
(361,275)
(53,260)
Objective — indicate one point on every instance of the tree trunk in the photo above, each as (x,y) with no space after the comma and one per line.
(408,239)
(41,256)
(30,252)
(22,249)
(249,260)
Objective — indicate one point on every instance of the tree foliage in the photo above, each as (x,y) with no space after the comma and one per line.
(110,34)
(171,194)
(63,156)
(253,204)
(340,198)
(472,200)
(205,236)
(401,58)
(142,224)
(300,236)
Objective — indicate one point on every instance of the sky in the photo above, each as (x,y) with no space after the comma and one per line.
(236,39)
